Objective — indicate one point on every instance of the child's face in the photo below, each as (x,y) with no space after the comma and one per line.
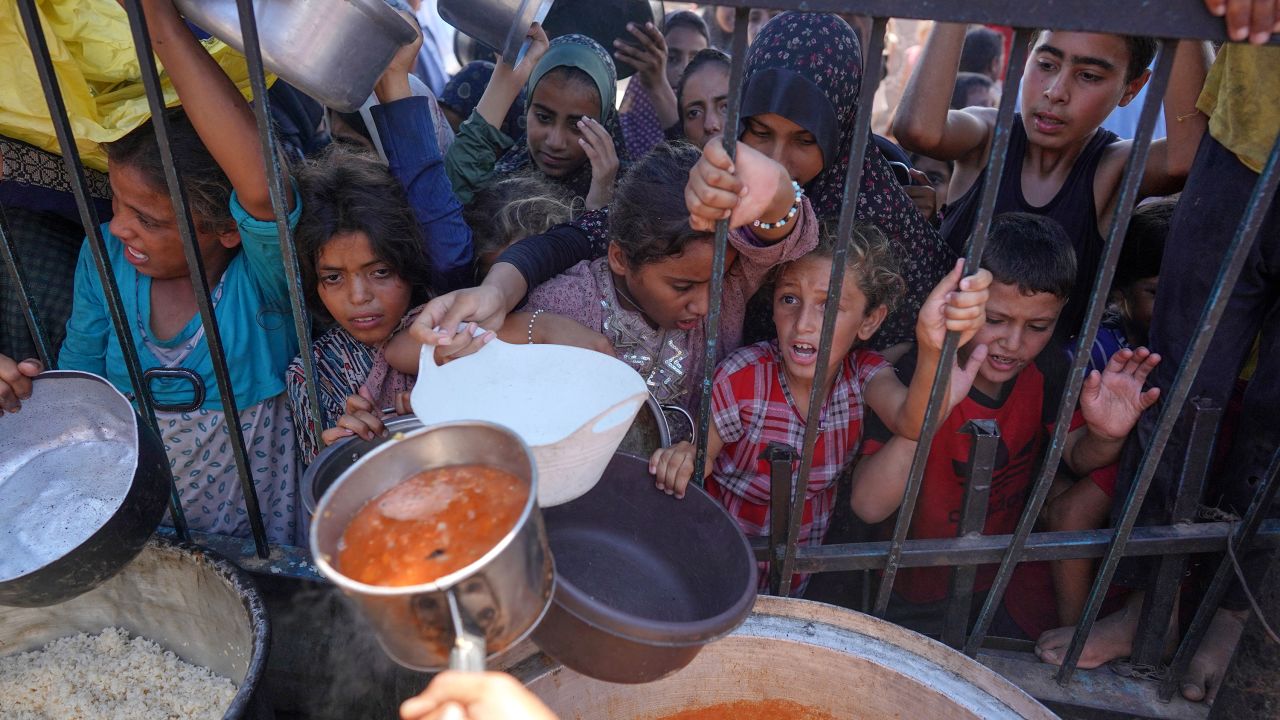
(557,105)
(673,292)
(787,143)
(798,303)
(144,221)
(1018,327)
(706,102)
(683,42)
(1072,83)
(361,291)
(1140,301)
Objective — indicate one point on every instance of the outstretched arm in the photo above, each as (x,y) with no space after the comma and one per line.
(925,122)
(880,480)
(1170,159)
(1111,403)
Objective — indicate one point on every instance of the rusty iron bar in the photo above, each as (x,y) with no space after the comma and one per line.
(1125,202)
(277,188)
(9,253)
(93,234)
(973,255)
(984,443)
(195,263)
(872,61)
(1264,192)
(737,68)
(781,458)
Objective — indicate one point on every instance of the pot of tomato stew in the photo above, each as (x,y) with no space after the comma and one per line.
(437,531)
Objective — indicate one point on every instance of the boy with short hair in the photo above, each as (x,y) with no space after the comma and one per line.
(1060,162)
(1018,386)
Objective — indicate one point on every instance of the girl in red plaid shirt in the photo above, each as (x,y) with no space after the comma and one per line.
(760,393)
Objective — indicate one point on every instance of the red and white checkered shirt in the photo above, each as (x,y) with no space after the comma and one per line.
(752,407)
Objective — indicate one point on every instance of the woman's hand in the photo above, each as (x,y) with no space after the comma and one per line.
(752,187)
(394,83)
(439,321)
(475,696)
(598,144)
(552,329)
(648,55)
(922,195)
(15,382)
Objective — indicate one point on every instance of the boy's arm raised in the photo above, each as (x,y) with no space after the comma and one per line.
(1111,403)
(924,122)
(218,111)
(1170,159)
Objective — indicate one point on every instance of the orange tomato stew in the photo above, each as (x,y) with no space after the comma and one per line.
(752,710)
(435,523)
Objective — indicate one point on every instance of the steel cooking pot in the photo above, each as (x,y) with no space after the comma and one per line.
(500,597)
(500,24)
(83,484)
(332,50)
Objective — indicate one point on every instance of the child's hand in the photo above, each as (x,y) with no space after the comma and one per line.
(604,162)
(963,377)
(394,83)
(15,382)
(672,467)
(362,418)
(465,342)
(749,188)
(1112,401)
(439,321)
(647,54)
(517,76)
(1252,20)
(956,304)
(552,329)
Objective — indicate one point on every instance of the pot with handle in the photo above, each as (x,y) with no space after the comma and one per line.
(83,485)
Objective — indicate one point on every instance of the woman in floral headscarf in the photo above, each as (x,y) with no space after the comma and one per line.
(799,98)
(571,132)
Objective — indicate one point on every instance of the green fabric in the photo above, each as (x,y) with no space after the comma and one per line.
(584,58)
(470,159)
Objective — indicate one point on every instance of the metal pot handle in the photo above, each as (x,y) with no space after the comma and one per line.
(468,650)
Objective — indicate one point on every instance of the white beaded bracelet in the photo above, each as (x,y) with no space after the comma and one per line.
(532,319)
(795,208)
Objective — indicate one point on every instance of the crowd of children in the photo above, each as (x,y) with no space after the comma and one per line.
(531,201)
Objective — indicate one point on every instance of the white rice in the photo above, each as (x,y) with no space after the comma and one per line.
(108,677)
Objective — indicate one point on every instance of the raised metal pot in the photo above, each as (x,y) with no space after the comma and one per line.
(500,24)
(332,50)
(500,597)
(83,484)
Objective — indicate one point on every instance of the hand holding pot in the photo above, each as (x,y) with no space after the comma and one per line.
(15,382)
(475,696)
(507,81)
(394,83)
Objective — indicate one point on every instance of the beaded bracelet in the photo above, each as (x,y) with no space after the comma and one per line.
(532,319)
(795,208)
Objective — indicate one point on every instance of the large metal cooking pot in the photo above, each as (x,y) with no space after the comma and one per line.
(500,24)
(500,597)
(648,433)
(833,660)
(83,484)
(332,50)
(189,600)
(643,581)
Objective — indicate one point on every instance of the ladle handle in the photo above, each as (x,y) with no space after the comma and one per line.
(468,650)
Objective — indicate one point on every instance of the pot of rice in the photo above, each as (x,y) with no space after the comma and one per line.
(178,633)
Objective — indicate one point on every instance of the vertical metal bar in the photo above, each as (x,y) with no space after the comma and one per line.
(984,443)
(9,253)
(1160,601)
(781,459)
(1125,202)
(872,61)
(93,234)
(973,255)
(200,281)
(280,205)
(1240,541)
(711,352)
(1174,398)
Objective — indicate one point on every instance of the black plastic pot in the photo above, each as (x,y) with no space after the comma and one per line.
(643,580)
(53,454)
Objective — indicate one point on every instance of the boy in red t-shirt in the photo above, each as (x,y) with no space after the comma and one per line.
(1017,385)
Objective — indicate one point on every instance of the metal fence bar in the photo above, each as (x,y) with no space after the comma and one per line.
(872,61)
(279,204)
(9,253)
(93,233)
(1240,540)
(781,459)
(1160,602)
(983,445)
(1263,193)
(973,255)
(195,263)
(1125,202)
(710,353)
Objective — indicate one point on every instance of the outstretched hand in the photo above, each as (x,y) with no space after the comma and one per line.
(1113,400)
(957,304)
(393,84)
(1252,20)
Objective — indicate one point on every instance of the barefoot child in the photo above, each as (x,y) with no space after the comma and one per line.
(1033,269)
(760,394)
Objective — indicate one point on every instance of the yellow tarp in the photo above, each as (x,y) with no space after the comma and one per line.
(98,73)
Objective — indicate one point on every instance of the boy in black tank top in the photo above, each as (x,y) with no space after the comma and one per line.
(1061,163)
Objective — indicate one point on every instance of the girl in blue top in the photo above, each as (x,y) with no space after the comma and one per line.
(214,140)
